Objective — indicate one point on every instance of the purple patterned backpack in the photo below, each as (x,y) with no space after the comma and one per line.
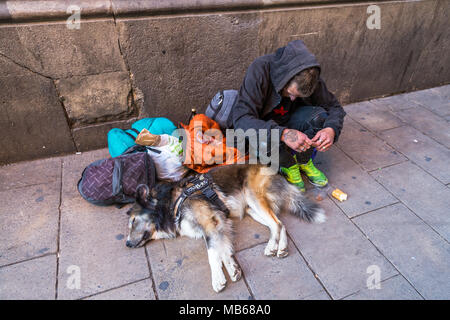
(115,180)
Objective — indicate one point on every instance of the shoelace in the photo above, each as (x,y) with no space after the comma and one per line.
(310,169)
(294,174)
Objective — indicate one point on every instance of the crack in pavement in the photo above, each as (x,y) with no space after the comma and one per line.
(24,67)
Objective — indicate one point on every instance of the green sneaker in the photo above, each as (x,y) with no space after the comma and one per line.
(293,176)
(315,176)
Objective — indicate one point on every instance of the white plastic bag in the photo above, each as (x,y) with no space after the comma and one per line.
(169,163)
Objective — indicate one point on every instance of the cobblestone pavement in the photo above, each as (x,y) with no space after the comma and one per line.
(392,159)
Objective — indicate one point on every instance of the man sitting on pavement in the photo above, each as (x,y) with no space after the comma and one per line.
(284,91)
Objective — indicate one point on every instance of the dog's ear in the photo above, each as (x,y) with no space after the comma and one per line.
(142,192)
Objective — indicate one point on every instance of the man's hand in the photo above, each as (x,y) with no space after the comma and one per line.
(324,139)
(296,140)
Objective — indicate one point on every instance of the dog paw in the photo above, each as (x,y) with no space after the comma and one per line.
(237,274)
(219,282)
(232,268)
(282,253)
(219,285)
(271,249)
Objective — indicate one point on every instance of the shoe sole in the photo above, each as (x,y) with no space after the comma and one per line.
(314,184)
(317,185)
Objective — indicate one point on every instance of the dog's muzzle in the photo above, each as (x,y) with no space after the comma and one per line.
(145,236)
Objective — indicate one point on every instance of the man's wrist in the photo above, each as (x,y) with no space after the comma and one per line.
(283,132)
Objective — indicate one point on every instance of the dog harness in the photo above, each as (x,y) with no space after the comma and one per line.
(203,183)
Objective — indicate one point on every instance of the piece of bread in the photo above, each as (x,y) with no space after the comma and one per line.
(145,138)
(339,194)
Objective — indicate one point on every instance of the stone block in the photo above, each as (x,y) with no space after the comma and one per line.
(272,278)
(427,153)
(92,238)
(396,102)
(33,124)
(444,91)
(395,288)
(96,136)
(28,173)
(29,222)
(30,280)
(141,290)
(96,98)
(365,148)
(181,270)
(56,51)
(337,252)
(433,100)
(417,251)
(428,123)
(364,193)
(249,233)
(426,196)
(375,117)
(322,295)
(9,67)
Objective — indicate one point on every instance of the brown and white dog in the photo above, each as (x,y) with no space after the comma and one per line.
(243,188)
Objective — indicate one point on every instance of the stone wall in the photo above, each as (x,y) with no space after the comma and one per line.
(62,89)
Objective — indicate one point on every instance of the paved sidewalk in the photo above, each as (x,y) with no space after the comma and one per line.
(392,159)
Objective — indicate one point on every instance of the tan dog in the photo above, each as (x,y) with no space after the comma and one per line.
(251,189)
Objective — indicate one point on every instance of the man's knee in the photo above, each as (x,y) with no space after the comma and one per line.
(318,119)
(308,119)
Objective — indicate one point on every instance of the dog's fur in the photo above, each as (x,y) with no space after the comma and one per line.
(251,189)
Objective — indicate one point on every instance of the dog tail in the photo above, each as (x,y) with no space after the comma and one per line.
(303,208)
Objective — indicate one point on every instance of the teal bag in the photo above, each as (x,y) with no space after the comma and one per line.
(120,140)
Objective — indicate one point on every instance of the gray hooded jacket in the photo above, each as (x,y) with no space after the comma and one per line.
(263,82)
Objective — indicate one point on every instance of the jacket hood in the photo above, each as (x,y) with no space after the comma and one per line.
(288,61)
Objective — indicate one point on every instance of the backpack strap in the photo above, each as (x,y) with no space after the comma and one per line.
(139,148)
(130,135)
(219,106)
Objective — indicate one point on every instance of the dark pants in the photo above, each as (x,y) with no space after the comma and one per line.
(306,119)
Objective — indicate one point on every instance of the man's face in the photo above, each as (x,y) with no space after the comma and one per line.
(290,90)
